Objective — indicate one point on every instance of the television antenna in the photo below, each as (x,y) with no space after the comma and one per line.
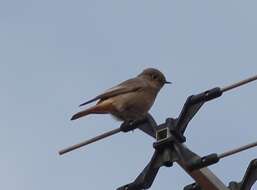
(170,147)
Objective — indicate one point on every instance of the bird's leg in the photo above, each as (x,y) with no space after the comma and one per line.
(127,126)
(137,122)
(131,125)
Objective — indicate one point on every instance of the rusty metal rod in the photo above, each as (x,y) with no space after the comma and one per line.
(97,138)
(240,83)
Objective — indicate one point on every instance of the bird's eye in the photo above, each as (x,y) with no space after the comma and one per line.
(154,77)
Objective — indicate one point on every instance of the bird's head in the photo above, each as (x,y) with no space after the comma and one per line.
(155,77)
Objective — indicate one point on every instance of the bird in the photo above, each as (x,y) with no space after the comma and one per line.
(130,100)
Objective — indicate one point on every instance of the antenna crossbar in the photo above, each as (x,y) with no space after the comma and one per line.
(237,150)
(240,83)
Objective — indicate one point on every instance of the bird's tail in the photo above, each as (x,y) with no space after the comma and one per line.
(101,108)
(80,114)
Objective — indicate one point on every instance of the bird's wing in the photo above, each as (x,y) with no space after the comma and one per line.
(130,85)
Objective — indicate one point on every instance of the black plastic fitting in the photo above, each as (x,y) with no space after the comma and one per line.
(206,96)
(205,161)
(159,145)
(131,186)
(192,186)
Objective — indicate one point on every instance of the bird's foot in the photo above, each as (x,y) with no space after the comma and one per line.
(131,125)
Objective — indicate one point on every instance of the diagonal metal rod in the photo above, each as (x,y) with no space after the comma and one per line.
(84,143)
(237,150)
(240,83)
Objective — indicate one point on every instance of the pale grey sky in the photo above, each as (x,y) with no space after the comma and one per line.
(57,54)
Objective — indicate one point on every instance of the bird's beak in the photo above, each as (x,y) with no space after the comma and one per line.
(167,82)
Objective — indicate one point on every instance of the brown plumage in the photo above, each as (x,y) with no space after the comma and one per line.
(130,100)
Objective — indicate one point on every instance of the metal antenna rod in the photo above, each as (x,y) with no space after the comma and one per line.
(99,137)
(240,83)
(237,150)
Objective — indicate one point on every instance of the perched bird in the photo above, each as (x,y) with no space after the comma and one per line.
(130,100)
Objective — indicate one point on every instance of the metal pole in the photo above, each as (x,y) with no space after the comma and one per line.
(99,137)
(240,83)
(237,150)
